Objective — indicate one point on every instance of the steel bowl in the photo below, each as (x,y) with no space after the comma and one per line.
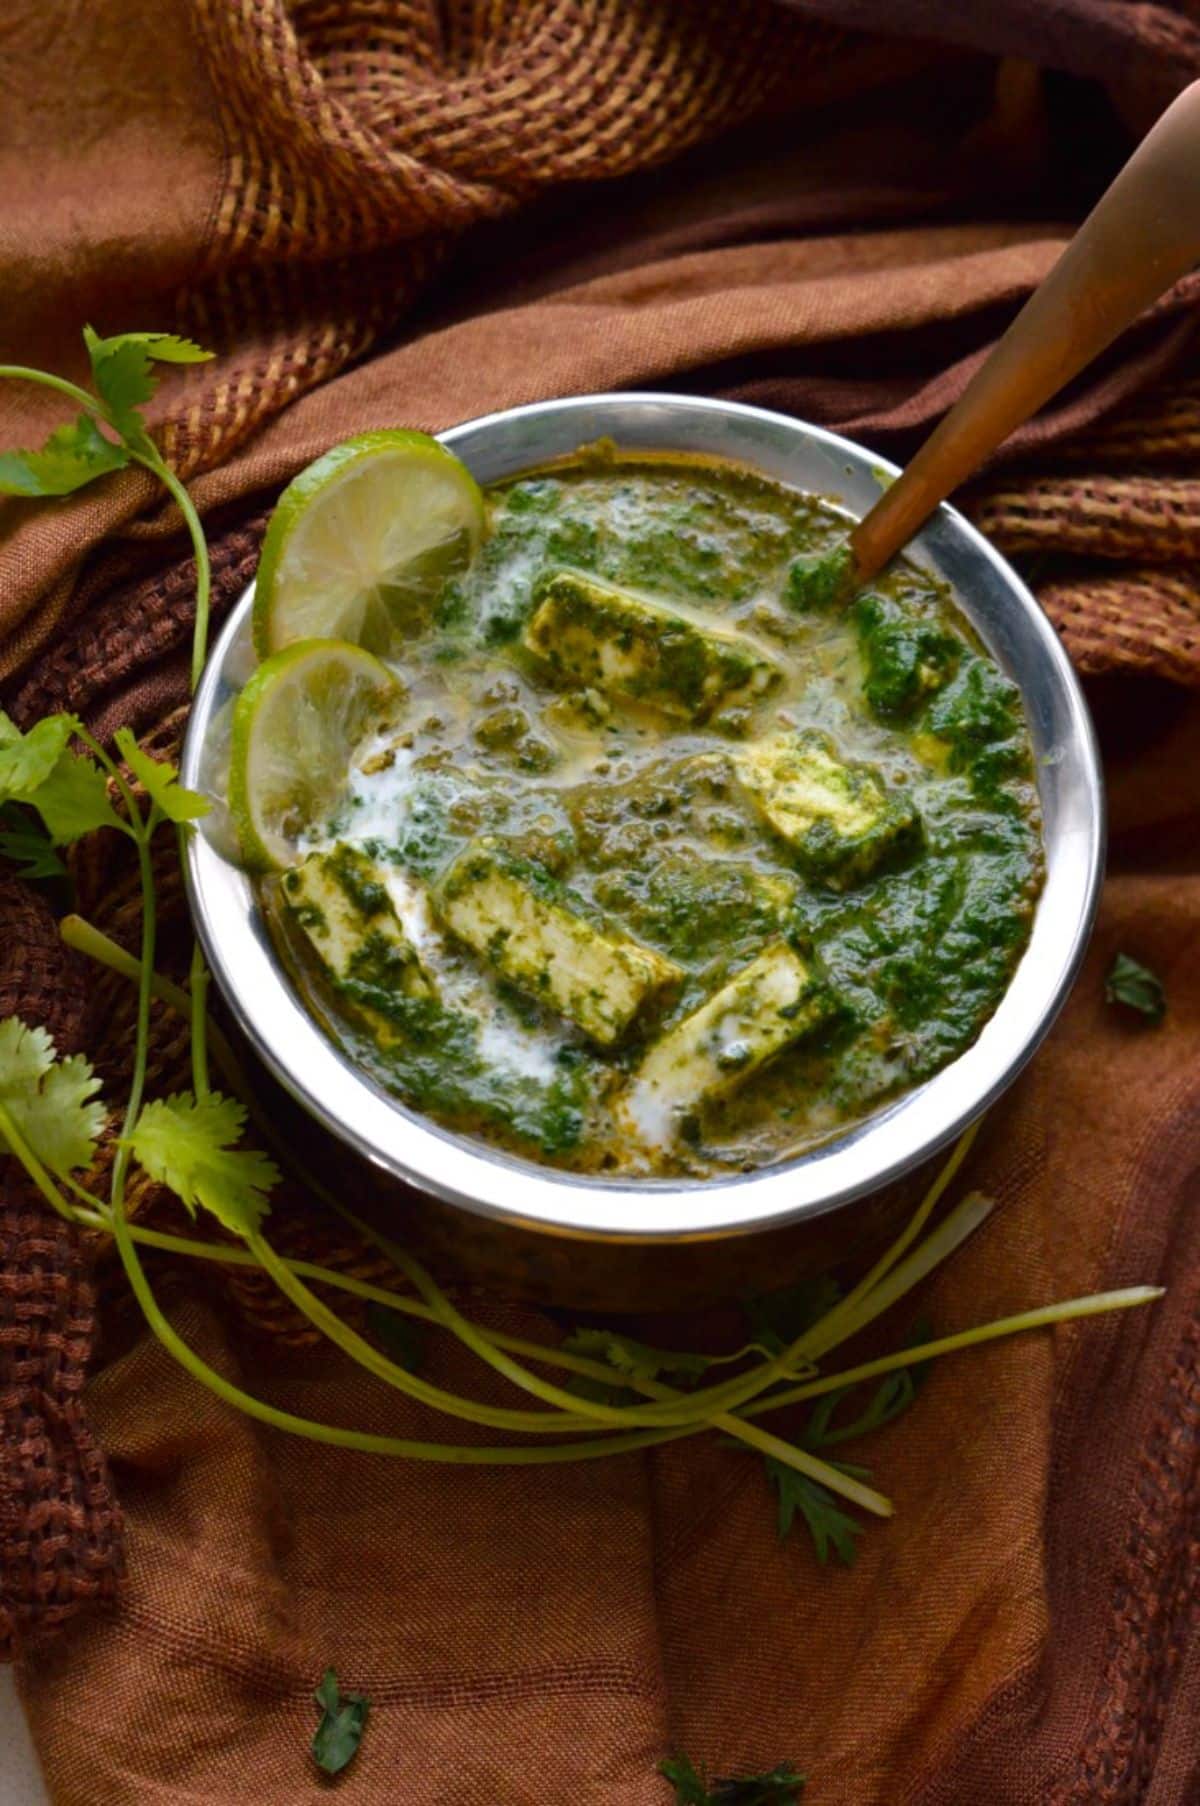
(539,1215)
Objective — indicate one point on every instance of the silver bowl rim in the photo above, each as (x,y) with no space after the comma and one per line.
(901,1135)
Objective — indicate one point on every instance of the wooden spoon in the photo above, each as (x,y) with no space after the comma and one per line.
(1140,237)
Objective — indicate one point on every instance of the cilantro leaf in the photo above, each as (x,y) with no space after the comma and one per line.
(163,347)
(631,1359)
(124,377)
(339,1733)
(72,456)
(158,779)
(50,1101)
(69,793)
(691,1789)
(828,1524)
(187,1144)
(890,1399)
(28,845)
(782,1787)
(74,799)
(122,368)
(397,1335)
(1137,987)
(26,760)
(776,1320)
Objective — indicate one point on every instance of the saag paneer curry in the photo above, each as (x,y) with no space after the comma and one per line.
(674,861)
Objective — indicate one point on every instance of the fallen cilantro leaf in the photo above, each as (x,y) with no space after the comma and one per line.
(1137,987)
(339,1733)
(158,779)
(628,1359)
(28,845)
(188,1145)
(782,1787)
(72,456)
(50,1101)
(828,1525)
(397,1335)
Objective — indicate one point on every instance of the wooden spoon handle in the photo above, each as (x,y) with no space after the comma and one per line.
(1140,237)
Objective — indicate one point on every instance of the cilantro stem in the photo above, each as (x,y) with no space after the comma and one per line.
(91,941)
(87,939)
(141,1046)
(10,1134)
(550,1454)
(575,1413)
(136,828)
(96,1216)
(367,1442)
(198,979)
(154,462)
(81,398)
(706,1402)
(805,1463)
(350,1342)
(1040,1317)
(474,1339)
(1043,1316)
(845,1317)
(962,1222)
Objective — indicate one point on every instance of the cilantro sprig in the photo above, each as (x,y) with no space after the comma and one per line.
(109,433)
(58,783)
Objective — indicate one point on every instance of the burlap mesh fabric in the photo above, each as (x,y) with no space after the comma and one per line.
(60,1527)
(384,213)
(363,138)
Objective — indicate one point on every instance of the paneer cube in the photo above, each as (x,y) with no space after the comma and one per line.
(518,918)
(840,819)
(340,903)
(769,1005)
(594,636)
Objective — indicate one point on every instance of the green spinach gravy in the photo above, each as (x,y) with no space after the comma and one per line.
(676,862)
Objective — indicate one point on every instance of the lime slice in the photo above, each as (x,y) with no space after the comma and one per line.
(362,541)
(295,727)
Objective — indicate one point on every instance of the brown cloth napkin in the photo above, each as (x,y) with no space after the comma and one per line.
(500,202)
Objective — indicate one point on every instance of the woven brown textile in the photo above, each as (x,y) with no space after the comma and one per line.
(1123,547)
(60,1528)
(499,202)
